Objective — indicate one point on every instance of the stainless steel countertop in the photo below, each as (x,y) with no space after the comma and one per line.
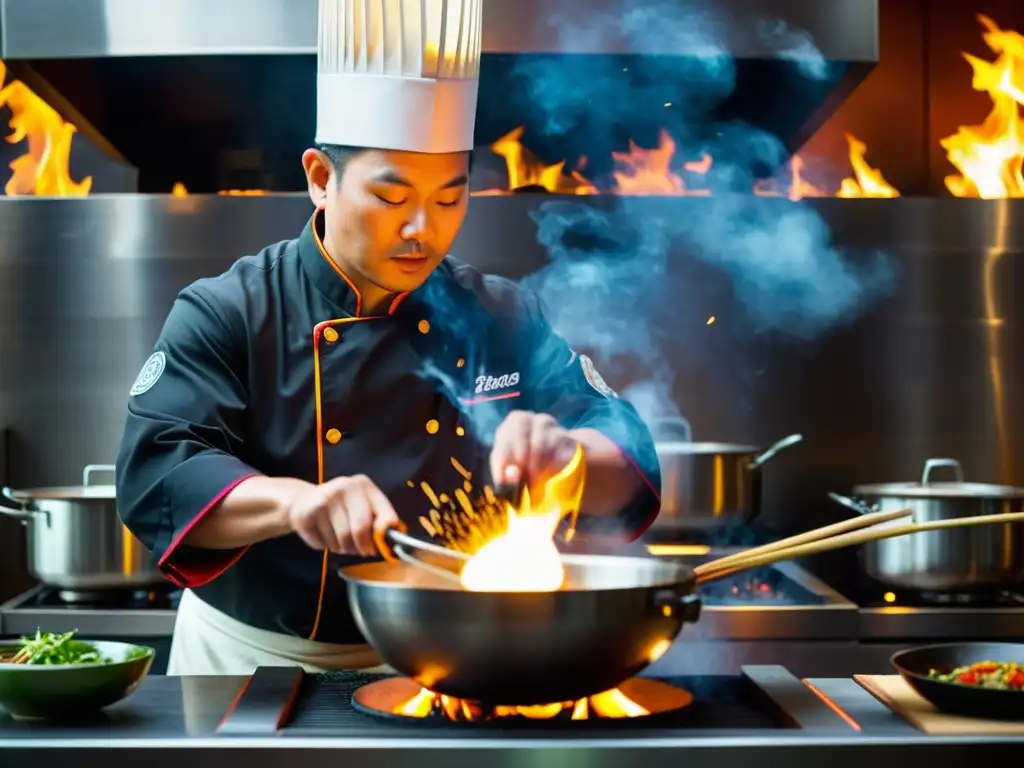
(168,721)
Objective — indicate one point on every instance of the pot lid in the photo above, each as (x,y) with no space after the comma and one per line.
(65,493)
(927,489)
(688,449)
(941,490)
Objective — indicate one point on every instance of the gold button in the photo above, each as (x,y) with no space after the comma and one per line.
(330,335)
(433,426)
(333,436)
(461,362)
(460,431)
(424,326)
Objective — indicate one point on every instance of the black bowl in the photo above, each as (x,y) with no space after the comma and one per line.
(914,665)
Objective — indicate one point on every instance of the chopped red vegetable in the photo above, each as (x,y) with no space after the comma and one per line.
(985,674)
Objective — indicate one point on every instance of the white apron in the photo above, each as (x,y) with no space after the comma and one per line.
(209,642)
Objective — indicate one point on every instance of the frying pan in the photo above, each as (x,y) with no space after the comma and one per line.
(914,665)
(613,616)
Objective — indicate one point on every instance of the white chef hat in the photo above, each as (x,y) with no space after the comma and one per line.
(398,74)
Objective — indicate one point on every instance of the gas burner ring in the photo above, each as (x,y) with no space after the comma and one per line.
(403,699)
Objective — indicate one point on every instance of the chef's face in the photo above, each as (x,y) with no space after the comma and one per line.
(389,217)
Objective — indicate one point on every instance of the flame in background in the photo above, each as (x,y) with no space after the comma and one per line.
(643,171)
(990,156)
(44,169)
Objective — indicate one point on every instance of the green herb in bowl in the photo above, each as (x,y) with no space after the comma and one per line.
(48,648)
(57,676)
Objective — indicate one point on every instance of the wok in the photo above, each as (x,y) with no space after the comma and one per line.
(613,616)
(524,648)
(914,665)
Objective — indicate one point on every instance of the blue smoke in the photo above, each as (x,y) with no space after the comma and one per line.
(608,288)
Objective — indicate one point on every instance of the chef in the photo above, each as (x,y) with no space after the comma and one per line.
(329,386)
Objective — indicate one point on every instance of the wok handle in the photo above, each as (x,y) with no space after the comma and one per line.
(386,543)
(395,542)
(686,605)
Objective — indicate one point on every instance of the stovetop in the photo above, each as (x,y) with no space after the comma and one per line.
(158,599)
(762,587)
(778,602)
(891,614)
(874,595)
(287,702)
(123,614)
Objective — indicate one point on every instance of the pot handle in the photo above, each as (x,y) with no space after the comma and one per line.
(24,510)
(687,605)
(93,468)
(930,464)
(782,444)
(857,506)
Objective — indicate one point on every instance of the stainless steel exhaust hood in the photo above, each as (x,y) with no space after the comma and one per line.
(221,94)
(842,30)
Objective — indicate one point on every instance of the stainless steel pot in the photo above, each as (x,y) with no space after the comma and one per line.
(76,541)
(978,559)
(613,618)
(707,485)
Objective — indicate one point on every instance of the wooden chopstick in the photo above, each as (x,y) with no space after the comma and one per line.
(853,524)
(716,569)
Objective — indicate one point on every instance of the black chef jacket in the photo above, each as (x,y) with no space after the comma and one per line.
(273,369)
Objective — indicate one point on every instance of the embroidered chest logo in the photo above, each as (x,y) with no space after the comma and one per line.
(486,384)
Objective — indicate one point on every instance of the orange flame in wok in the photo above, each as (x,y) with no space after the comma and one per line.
(524,558)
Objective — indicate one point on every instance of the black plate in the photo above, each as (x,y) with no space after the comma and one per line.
(967,700)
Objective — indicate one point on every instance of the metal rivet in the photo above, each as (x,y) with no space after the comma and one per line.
(461,362)
(330,335)
(424,326)
(333,436)
(460,431)
(433,426)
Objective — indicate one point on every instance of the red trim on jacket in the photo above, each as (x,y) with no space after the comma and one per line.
(189,575)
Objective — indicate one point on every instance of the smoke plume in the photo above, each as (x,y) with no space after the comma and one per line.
(610,287)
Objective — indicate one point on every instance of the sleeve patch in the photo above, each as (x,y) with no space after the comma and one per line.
(594,378)
(150,374)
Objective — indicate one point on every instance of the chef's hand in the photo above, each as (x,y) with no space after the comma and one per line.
(530,444)
(342,515)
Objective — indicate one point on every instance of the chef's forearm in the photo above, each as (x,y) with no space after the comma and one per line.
(611,481)
(255,510)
